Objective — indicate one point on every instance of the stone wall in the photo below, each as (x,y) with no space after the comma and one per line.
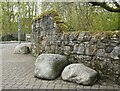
(98,50)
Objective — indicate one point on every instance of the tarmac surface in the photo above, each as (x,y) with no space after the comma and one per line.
(18,74)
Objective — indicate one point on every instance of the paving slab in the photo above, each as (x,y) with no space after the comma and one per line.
(18,73)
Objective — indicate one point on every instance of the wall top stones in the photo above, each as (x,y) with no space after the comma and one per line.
(51,13)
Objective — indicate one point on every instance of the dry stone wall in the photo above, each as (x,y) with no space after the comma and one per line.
(98,50)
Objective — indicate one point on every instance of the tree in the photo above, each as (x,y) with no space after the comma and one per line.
(9,14)
(82,16)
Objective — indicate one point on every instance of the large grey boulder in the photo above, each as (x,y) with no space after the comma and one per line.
(79,74)
(22,49)
(49,66)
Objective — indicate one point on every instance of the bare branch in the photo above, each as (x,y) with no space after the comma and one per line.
(105,6)
(116,3)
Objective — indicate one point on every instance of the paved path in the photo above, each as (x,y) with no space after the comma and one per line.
(17,73)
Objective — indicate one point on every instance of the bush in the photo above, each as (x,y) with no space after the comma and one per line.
(12,37)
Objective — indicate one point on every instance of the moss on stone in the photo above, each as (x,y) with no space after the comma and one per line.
(51,13)
(59,21)
(105,35)
(56,18)
(62,26)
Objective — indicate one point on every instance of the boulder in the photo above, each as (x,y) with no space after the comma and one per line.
(79,74)
(49,66)
(22,49)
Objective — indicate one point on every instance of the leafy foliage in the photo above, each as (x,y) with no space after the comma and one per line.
(84,17)
(78,16)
